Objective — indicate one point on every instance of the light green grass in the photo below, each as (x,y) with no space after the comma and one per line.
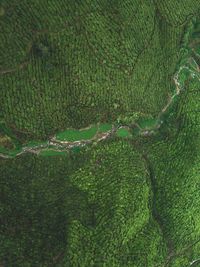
(104,127)
(52,152)
(123,132)
(72,135)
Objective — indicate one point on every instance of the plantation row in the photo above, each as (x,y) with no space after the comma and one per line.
(175,163)
(177,12)
(92,213)
(73,80)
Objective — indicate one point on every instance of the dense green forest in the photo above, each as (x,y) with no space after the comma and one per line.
(121,202)
(73,63)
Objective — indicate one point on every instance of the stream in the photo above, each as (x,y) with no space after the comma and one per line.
(74,139)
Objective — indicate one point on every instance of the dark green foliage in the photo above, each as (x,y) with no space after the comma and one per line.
(132,203)
(70,64)
(177,12)
(83,214)
(175,166)
(37,203)
(121,196)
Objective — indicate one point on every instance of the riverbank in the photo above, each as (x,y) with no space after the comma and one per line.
(71,139)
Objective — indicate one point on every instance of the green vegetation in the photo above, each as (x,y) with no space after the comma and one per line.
(6,142)
(74,135)
(123,132)
(75,64)
(35,143)
(33,216)
(59,199)
(175,165)
(104,127)
(119,202)
(52,152)
(2,11)
(147,123)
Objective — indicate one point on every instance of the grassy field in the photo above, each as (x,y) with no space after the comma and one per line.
(74,135)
